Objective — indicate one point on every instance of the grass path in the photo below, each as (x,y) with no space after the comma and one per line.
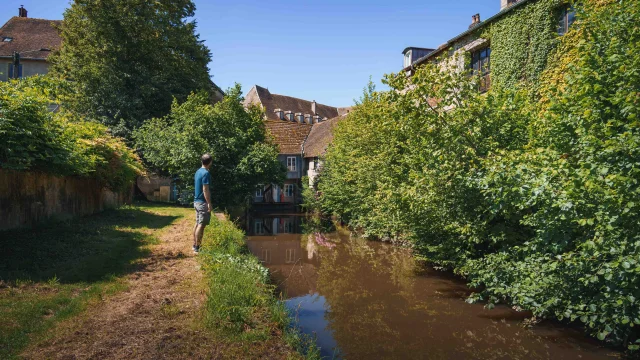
(151,318)
(136,291)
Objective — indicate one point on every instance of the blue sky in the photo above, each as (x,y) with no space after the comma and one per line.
(323,50)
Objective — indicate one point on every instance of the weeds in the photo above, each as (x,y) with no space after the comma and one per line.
(241,302)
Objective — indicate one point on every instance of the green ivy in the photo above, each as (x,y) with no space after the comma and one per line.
(522,42)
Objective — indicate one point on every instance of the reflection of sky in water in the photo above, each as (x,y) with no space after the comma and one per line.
(310,314)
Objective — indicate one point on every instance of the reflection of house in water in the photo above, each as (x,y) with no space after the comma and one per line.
(261,225)
(277,242)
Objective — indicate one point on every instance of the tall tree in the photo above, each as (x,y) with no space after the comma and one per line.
(234,136)
(129,58)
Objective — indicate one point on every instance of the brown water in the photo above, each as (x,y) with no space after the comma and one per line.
(369,300)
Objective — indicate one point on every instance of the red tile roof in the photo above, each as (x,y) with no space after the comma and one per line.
(288,135)
(270,102)
(320,137)
(29,34)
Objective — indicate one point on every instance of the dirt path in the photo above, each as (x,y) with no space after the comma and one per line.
(155,318)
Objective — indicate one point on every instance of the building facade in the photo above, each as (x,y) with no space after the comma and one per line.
(290,122)
(32,40)
(474,43)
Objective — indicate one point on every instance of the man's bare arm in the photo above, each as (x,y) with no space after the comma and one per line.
(207,196)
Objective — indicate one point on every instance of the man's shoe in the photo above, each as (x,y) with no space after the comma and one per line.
(196,249)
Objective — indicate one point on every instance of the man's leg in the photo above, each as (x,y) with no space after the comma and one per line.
(199,234)
(195,230)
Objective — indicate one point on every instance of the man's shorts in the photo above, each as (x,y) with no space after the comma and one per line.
(203,216)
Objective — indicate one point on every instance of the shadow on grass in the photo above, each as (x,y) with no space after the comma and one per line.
(87,249)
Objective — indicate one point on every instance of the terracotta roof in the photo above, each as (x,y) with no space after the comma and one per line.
(320,137)
(288,135)
(270,102)
(29,34)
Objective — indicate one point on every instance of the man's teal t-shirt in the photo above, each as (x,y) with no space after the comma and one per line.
(202,178)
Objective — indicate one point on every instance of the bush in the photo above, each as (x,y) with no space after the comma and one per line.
(62,143)
(531,194)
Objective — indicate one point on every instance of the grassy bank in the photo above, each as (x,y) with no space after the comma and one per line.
(240,302)
(55,272)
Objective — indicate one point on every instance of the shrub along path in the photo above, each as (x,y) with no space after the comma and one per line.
(158,314)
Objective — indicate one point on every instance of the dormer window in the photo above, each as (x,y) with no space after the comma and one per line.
(407,59)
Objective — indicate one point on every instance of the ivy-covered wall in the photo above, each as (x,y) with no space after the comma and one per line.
(522,42)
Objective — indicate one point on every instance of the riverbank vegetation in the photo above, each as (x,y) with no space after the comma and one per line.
(241,302)
(530,192)
(234,136)
(61,142)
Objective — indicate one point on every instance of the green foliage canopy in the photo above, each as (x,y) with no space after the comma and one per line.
(234,136)
(531,194)
(129,59)
(35,138)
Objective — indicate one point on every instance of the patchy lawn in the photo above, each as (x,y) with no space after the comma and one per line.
(55,272)
(125,284)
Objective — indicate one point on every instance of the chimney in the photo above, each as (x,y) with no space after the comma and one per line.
(308,119)
(279,113)
(475,20)
(22,12)
(300,118)
(506,3)
(313,107)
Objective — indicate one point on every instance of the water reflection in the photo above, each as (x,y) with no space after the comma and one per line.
(369,300)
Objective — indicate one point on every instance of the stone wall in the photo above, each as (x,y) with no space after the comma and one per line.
(155,188)
(29,198)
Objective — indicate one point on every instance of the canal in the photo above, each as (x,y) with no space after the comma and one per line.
(368,300)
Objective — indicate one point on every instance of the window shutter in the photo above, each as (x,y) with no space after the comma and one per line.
(10,71)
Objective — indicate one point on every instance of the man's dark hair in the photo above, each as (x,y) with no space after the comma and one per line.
(206,159)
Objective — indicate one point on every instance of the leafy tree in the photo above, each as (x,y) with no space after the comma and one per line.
(234,136)
(129,59)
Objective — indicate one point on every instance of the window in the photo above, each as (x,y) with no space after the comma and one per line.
(258,227)
(480,61)
(288,227)
(288,190)
(260,191)
(567,17)
(266,256)
(291,163)
(481,66)
(12,74)
(290,256)
(407,59)
(7,39)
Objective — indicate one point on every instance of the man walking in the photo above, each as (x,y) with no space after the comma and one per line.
(202,201)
